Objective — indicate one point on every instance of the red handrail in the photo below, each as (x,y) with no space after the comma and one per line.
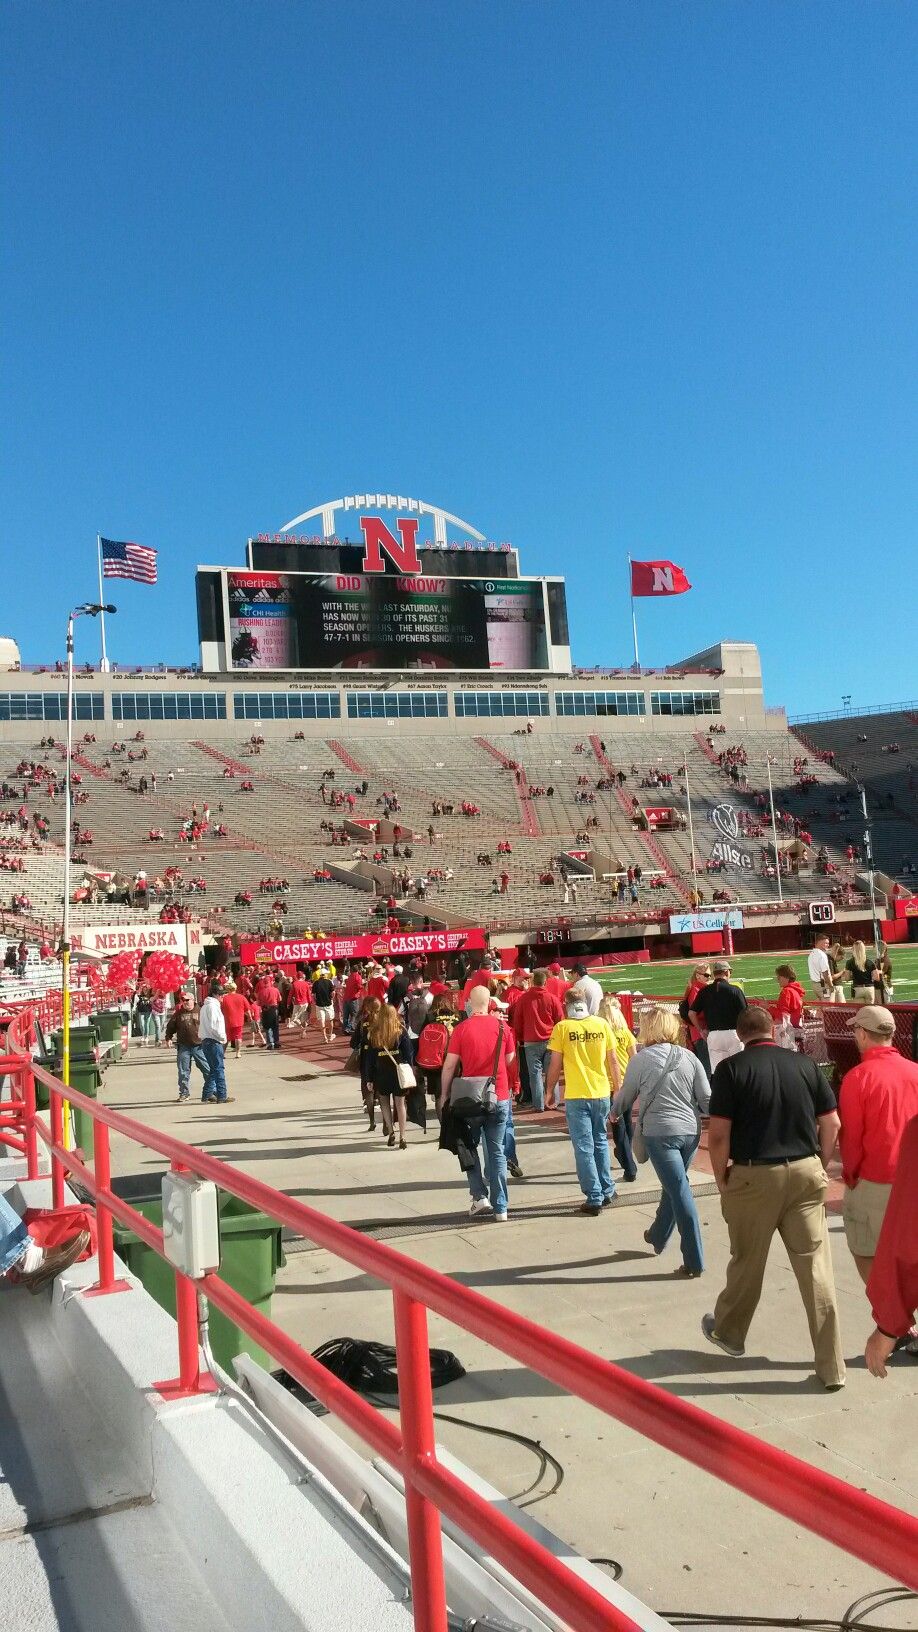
(864,1526)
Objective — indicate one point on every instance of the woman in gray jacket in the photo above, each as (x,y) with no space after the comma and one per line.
(674,1095)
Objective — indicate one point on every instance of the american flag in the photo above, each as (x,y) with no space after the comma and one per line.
(135,561)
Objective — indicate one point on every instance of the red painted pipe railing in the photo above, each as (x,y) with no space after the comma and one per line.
(862,1525)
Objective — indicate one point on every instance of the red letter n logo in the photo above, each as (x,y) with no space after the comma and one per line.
(378,538)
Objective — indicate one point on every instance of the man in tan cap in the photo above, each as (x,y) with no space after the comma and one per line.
(878,1099)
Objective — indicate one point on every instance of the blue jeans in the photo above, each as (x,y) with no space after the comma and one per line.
(492,1131)
(510,1136)
(671,1158)
(586,1124)
(215,1081)
(535,1060)
(271,1027)
(14,1237)
(184,1057)
(349,1014)
(621,1141)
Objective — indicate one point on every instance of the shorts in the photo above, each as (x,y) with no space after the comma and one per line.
(863,1211)
(300,1014)
(234,1034)
(325,1016)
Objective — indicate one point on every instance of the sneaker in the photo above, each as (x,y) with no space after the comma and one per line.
(608,1200)
(684,1274)
(515,1171)
(182,1098)
(478,1209)
(500,1218)
(589,1209)
(707,1326)
(55,1260)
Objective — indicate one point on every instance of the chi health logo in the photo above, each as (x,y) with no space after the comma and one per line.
(725,819)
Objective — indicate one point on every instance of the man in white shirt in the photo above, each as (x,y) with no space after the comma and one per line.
(212,1032)
(586,988)
(820,972)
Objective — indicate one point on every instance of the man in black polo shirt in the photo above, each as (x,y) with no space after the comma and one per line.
(773,1128)
(715,1012)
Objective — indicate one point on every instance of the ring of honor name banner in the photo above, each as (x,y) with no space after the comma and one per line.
(353,621)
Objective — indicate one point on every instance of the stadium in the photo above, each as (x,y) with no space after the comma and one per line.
(384,765)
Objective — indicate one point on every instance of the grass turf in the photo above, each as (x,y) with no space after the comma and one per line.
(754,970)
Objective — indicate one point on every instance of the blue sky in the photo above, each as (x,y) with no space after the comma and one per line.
(600,278)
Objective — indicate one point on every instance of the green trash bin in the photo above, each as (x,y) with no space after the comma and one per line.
(251,1254)
(85,1076)
(109,1024)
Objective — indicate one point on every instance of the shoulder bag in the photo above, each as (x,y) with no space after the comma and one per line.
(404,1073)
(472,1097)
(638,1142)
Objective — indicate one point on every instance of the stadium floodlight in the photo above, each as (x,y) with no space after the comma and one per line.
(90,609)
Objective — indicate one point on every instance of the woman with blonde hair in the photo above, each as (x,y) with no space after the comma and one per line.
(863,972)
(610,1010)
(389,1047)
(674,1095)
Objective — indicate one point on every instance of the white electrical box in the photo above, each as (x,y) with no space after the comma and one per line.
(191,1224)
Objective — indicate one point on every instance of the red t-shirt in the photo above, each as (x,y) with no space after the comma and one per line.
(235,1008)
(474,1042)
(268,994)
(353,986)
(300,990)
(558,987)
(877,1100)
(893,1284)
(378,987)
(535,1014)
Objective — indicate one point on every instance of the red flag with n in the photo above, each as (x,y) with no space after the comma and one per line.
(658,578)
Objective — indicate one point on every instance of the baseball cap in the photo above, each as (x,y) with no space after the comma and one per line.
(555,968)
(875,1019)
(577,1008)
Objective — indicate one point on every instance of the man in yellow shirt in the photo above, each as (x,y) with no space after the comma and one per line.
(583,1046)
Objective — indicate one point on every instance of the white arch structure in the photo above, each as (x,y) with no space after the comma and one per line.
(384,501)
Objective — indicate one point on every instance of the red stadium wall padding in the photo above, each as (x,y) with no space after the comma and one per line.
(895,929)
(710,940)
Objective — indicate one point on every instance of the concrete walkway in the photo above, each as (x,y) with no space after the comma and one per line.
(685,1541)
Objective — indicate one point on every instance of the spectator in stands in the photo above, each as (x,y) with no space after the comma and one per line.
(772,1131)
(182,1029)
(893,1284)
(212,1032)
(715,1011)
(482,1046)
(878,1099)
(583,1046)
(387,1049)
(791,998)
(533,1017)
(23,1263)
(674,1095)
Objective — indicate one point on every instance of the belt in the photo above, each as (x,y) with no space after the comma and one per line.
(774,1161)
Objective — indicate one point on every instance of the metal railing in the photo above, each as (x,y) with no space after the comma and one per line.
(862,1525)
(852,713)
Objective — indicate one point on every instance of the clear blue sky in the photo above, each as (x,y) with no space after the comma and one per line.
(632,276)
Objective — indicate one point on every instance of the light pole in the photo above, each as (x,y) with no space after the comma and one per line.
(774,828)
(90,609)
(868,855)
(691,827)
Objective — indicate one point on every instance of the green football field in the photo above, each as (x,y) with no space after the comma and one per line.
(755,970)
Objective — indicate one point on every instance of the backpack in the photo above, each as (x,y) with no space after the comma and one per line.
(432,1045)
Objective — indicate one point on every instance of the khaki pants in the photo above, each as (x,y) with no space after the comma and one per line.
(788,1200)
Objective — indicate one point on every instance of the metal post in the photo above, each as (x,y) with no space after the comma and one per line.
(691,828)
(868,854)
(27,1092)
(102,1169)
(774,827)
(57,1139)
(65,937)
(425,1541)
(637,660)
(105,665)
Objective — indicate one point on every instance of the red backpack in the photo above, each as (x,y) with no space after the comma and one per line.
(432,1045)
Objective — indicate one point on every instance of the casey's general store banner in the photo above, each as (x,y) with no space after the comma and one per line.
(405,943)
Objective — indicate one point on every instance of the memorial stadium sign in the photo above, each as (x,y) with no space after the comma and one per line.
(407,943)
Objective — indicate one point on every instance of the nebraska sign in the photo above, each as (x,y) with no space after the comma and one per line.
(404,944)
(106,940)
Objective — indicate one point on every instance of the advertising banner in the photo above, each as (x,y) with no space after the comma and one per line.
(694,923)
(288,620)
(407,943)
(108,939)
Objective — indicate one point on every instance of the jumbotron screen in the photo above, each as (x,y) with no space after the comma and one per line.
(279,620)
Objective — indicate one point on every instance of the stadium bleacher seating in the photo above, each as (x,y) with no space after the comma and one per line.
(880,750)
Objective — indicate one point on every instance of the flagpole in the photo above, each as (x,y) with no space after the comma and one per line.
(105,662)
(637,661)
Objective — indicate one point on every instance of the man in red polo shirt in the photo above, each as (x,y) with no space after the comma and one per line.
(351,993)
(878,1099)
(557,985)
(473,1046)
(301,997)
(533,1017)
